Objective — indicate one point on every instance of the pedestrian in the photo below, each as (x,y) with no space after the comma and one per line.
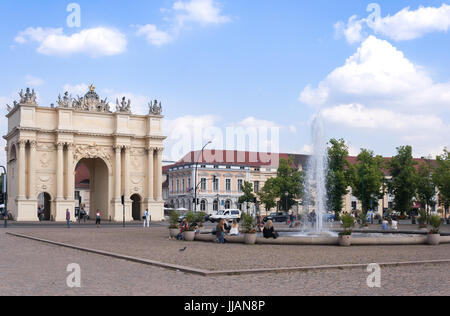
(83,214)
(39,214)
(183,227)
(146,218)
(292,220)
(68,218)
(269,231)
(385,224)
(98,219)
(220,231)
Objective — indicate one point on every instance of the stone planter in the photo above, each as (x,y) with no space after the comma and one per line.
(433,239)
(250,239)
(345,241)
(174,232)
(189,236)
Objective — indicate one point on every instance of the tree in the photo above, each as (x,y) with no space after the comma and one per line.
(403,184)
(426,189)
(366,178)
(248,195)
(289,180)
(337,177)
(441,177)
(267,196)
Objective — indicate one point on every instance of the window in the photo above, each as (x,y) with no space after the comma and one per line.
(184,187)
(354,205)
(203,206)
(203,184)
(228,204)
(216,205)
(240,183)
(178,186)
(228,185)
(256,186)
(172,187)
(189,184)
(216,184)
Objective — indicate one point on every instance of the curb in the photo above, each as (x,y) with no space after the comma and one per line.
(206,273)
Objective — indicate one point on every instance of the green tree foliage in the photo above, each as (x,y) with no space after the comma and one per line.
(289,180)
(426,189)
(248,196)
(441,177)
(337,177)
(404,179)
(366,179)
(267,196)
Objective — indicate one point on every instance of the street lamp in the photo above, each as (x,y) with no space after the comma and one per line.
(196,170)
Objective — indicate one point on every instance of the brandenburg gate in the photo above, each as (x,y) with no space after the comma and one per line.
(123,152)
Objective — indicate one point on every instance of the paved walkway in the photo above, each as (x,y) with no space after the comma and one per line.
(154,244)
(34,268)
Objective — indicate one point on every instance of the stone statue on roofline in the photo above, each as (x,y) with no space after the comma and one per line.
(155,109)
(124,106)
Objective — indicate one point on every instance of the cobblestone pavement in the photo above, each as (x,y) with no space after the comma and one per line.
(34,268)
(154,244)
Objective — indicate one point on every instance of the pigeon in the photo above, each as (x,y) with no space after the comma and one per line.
(181,250)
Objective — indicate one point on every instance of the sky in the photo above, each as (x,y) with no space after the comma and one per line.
(378,73)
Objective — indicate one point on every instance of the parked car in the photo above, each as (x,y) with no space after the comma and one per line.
(329,217)
(279,217)
(227,215)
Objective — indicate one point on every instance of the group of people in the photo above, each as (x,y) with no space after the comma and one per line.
(98,217)
(224,229)
(385,224)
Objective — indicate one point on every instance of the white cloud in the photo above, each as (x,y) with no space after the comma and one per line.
(379,73)
(200,11)
(94,42)
(381,96)
(404,25)
(76,90)
(33,81)
(153,35)
(182,15)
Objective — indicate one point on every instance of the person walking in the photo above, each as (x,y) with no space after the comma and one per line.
(98,218)
(68,218)
(146,218)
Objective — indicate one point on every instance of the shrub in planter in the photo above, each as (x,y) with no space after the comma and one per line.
(173,224)
(249,228)
(345,237)
(434,234)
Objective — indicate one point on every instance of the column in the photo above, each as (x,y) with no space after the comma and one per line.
(60,172)
(70,179)
(117,173)
(126,173)
(159,174)
(21,170)
(150,174)
(32,171)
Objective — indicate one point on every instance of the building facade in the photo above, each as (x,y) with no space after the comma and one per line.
(122,151)
(220,175)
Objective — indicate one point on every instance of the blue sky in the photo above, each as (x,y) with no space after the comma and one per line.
(216,64)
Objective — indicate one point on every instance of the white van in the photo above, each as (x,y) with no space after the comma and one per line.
(228,215)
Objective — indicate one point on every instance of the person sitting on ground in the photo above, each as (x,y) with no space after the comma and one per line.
(269,231)
(220,231)
(234,231)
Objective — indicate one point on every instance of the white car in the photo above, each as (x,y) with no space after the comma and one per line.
(228,215)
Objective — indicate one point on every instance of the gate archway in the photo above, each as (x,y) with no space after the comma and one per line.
(136,206)
(44,203)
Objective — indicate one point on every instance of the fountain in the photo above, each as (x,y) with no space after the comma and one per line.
(316,173)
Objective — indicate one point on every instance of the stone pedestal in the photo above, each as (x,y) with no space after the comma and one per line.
(60,207)
(117,214)
(156,210)
(27,210)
